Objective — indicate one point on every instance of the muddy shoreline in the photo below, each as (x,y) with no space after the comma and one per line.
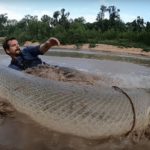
(106,48)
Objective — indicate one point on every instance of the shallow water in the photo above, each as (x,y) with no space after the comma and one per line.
(118,73)
(123,73)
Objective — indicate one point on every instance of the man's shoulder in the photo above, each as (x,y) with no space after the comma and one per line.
(28,48)
(34,50)
(25,50)
(31,47)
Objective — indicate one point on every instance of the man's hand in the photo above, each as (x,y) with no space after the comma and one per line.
(48,44)
(53,41)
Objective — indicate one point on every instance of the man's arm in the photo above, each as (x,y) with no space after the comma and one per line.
(48,44)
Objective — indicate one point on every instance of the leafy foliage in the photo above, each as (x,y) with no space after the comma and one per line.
(78,31)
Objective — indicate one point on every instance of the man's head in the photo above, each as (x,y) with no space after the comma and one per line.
(11,47)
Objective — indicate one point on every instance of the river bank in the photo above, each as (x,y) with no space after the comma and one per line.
(106,48)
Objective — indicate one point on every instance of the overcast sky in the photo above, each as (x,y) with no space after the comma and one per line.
(129,9)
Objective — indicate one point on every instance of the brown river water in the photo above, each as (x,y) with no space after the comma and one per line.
(20,132)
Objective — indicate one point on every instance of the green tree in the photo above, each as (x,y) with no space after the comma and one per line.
(64,18)
(3,20)
(80,20)
(136,25)
(147,26)
(55,20)
(10,27)
(113,13)
(101,14)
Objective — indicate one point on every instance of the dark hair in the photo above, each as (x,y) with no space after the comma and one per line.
(5,43)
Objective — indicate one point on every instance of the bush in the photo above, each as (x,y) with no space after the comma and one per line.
(78,45)
(92,45)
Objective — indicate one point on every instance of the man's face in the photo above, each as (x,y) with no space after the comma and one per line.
(14,48)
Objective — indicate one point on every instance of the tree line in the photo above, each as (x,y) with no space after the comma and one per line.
(78,31)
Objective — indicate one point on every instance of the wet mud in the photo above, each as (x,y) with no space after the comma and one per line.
(63,74)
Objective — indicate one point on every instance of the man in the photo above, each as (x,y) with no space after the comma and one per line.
(28,57)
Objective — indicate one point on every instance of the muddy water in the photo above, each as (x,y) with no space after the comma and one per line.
(115,73)
(123,74)
(19,132)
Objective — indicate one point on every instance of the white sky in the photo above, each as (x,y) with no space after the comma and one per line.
(129,9)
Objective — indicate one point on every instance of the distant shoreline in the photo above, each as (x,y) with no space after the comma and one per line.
(98,47)
(106,48)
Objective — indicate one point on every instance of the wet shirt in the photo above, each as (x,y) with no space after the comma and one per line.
(27,59)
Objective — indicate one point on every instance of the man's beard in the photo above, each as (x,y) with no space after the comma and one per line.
(18,52)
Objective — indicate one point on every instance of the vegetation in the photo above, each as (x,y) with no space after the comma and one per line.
(78,31)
